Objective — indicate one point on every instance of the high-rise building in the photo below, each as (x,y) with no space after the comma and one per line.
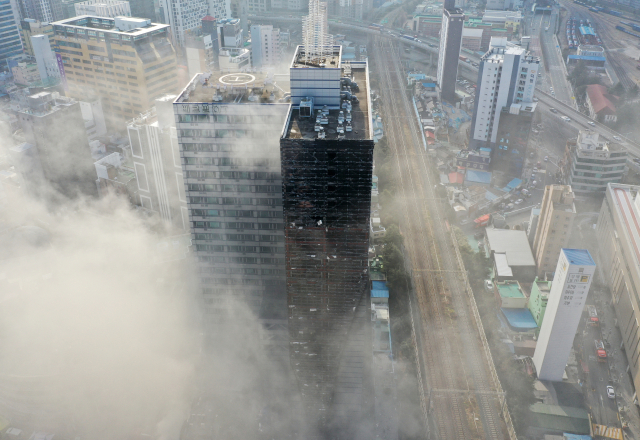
(144,9)
(30,27)
(450,43)
(184,16)
(228,127)
(45,58)
(590,164)
(265,46)
(54,126)
(573,276)
(41,10)
(103,8)
(126,61)
(10,30)
(155,155)
(618,234)
(506,82)
(554,226)
(327,164)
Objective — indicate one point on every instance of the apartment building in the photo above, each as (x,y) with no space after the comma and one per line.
(45,11)
(618,237)
(128,62)
(553,230)
(265,46)
(185,16)
(30,27)
(104,8)
(450,43)
(10,30)
(590,164)
(506,83)
(155,158)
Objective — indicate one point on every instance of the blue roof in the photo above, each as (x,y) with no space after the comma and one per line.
(586,58)
(568,436)
(587,30)
(428,84)
(379,285)
(379,294)
(514,184)
(485,149)
(519,319)
(581,257)
(478,176)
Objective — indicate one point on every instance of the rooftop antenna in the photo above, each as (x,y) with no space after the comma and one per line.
(316,40)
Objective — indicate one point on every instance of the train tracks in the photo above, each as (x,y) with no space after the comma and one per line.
(460,392)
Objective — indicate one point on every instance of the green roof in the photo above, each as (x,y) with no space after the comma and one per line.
(560,418)
(510,289)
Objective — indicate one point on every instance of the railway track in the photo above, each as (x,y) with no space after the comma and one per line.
(460,388)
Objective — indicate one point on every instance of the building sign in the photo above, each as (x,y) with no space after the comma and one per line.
(63,77)
(201,108)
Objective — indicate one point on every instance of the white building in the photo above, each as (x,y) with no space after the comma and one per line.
(186,15)
(492,16)
(567,298)
(506,83)
(103,8)
(265,46)
(45,58)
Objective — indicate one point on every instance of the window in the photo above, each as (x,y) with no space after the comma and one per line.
(95,48)
(86,62)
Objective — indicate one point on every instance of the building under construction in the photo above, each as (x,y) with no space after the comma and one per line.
(327,159)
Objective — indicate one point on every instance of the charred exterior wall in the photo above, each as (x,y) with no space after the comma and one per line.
(326,201)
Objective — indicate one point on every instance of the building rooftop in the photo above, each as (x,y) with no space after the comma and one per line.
(510,289)
(331,60)
(579,256)
(519,320)
(513,243)
(624,204)
(90,26)
(601,99)
(543,286)
(306,127)
(234,88)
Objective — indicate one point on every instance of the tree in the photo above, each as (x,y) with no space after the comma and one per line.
(633,91)
(617,90)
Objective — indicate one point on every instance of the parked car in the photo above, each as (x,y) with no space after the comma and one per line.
(546,158)
(535,169)
(593,124)
(611,392)
(535,99)
(553,110)
(517,202)
(565,118)
(618,138)
(488,284)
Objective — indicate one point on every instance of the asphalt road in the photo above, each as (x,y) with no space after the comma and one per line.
(555,73)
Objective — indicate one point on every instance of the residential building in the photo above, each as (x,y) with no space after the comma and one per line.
(511,254)
(540,289)
(93,116)
(103,8)
(554,226)
(10,30)
(504,4)
(145,9)
(228,126)
(428,25)
(533,224)
(510,295)
(589,163)
(30,27)
(506,83)
(618,237)
(507,18)
(184,16)
(327,165)
(155,158)
(114,177)
(601,103)
(573,276)
(231,33)
(472,39)
(25,72)
(45,11)
(265,46)
(54,126)
(126,61)
(450,43)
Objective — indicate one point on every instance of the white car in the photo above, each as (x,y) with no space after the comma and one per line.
(618,138)
(593,124)
(546,158)
(611,392)
(517,202)
(565,118)
(488,284)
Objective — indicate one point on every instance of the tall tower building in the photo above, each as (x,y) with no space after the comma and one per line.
(506,79)
(265,46)
(327,160)
(573,277)
(10,30)
(554,226)
(183,16)
(450,43)
(228,126)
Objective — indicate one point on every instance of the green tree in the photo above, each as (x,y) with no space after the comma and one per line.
(617,90)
